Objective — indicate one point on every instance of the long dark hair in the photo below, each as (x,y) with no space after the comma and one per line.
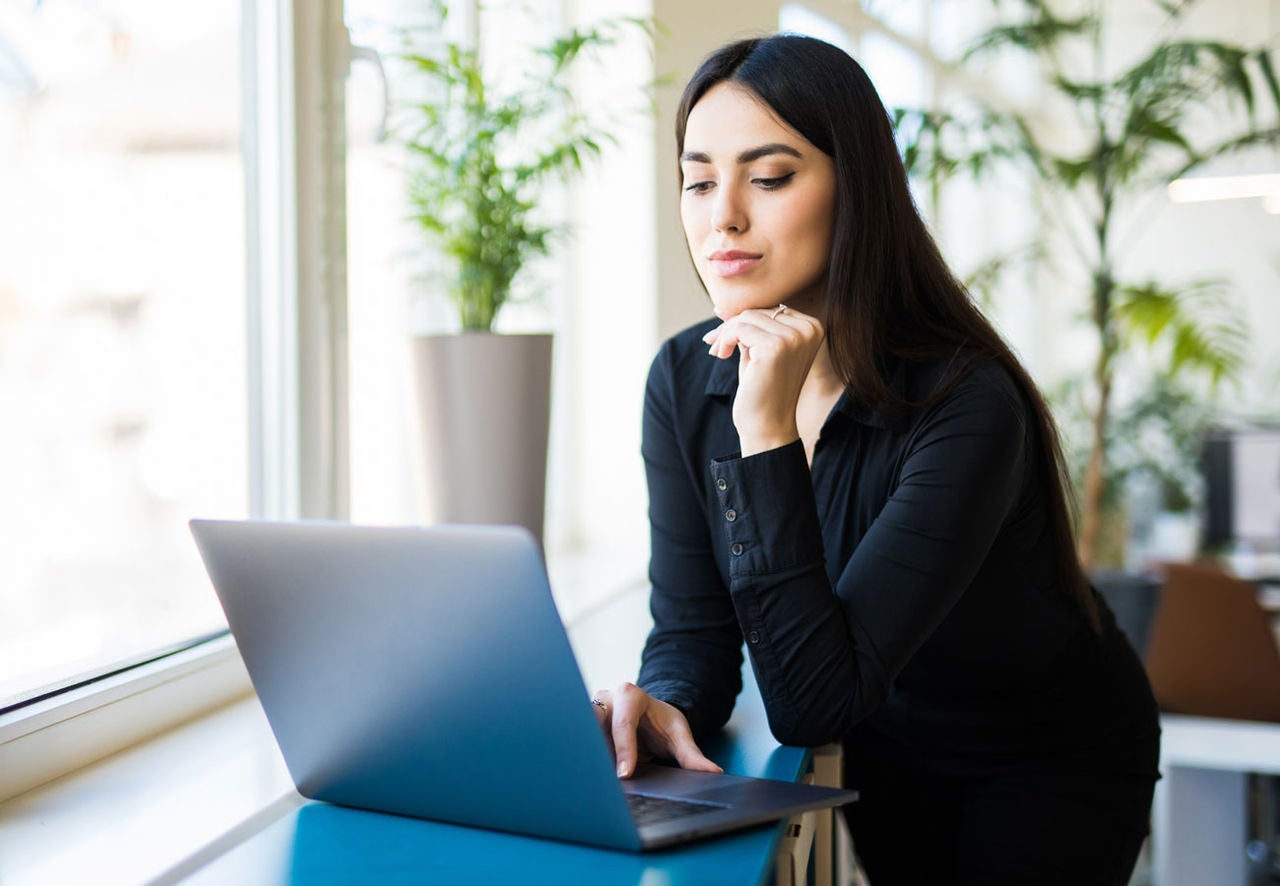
(890,295)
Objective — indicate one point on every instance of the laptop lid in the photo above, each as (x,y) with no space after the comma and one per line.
(426,672)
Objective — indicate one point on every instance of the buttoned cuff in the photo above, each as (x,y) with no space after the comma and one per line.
(767,511)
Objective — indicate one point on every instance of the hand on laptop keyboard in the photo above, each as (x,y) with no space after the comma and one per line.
(640,727)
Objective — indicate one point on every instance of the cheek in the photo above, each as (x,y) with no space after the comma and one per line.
(692,221)
(812,225)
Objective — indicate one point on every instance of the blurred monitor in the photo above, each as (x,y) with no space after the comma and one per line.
(1242,488)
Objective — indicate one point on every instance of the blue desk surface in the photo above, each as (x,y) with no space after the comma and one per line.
(320,843)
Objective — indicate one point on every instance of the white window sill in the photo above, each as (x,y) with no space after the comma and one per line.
(58,735)
(156,808)
(129,818)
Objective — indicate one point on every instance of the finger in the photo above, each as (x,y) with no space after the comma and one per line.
(790,332)
(665,730)
(757,326)
(690,757)
(750,332)
(730,337)
(711,337)
(781,321)
(684,750)
(600,705)
(628,707)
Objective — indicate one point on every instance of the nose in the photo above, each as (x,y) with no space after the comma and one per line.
(728,212)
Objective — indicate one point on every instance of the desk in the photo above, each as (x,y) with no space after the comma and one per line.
(1198,819)
(317,843)
(299,842)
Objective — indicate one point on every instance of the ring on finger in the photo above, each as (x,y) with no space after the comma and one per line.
(780,309)
(601,705)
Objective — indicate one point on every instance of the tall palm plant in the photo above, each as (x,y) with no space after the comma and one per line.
(1137,128)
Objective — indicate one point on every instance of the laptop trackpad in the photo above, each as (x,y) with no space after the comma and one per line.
(707,787)
(730,795)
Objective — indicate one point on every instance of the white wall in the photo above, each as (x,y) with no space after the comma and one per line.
(632,281)
(608,328)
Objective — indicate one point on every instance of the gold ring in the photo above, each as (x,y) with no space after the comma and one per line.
(780,309)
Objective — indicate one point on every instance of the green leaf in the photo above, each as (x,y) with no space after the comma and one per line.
(1079,91)
(1226,147)
(1072,172)
(478,158)
(1203,332)
(1263,60)
(1185,72)
(1042,33)
(937,144)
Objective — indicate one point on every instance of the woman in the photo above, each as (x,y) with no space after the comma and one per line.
(861,482)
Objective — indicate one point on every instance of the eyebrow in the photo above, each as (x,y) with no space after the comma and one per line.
(746,156)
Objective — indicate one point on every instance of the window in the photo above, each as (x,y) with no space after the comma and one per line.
(122,327)
(390,285)
(897,71)
(175,208)
(797,18)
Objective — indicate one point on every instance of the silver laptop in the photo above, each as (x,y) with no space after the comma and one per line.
(426,672)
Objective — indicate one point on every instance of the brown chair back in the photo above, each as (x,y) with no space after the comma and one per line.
(1212,650)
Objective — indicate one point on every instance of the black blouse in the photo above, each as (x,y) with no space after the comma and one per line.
(899,594)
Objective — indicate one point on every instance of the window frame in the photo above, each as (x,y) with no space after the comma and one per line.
(294,61)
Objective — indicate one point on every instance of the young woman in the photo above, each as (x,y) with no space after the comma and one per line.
(850,471)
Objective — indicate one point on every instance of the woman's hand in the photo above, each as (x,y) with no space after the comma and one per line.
(776,348)
(640,727)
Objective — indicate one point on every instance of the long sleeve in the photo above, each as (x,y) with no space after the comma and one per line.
(825,657)
(901,594)
(693,656)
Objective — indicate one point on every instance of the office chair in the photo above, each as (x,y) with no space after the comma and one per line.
(1212,651)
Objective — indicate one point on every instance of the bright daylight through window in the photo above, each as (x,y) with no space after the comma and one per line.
(122,327)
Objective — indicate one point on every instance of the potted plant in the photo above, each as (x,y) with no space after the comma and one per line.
(1154,489)
(480,159)
(1133,129)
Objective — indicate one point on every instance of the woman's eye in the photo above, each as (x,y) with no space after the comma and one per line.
(698,187)
(772,184)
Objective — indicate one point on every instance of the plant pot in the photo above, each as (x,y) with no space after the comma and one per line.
(484,410)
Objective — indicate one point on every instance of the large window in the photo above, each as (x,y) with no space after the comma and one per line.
(177,208)
(122,327)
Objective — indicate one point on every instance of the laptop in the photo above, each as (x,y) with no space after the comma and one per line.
(426,672)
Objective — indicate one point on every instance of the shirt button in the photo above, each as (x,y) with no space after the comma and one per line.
(722,484)
(731,515)
(753,638)
(735,549)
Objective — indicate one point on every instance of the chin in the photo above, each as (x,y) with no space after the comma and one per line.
(732,305)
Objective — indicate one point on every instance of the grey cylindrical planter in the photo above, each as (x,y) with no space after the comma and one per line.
(484,412)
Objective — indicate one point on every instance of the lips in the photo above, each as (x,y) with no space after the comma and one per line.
(732,262)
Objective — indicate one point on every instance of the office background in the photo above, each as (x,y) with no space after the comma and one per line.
(207,294)
(207,285)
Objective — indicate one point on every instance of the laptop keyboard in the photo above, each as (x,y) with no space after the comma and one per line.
(647,810)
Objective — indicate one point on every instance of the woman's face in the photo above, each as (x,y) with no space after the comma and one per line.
(757,204)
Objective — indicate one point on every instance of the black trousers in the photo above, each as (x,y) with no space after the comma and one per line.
(1033,829)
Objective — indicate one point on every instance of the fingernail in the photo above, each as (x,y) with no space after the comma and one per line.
(709,337)
(623,769)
